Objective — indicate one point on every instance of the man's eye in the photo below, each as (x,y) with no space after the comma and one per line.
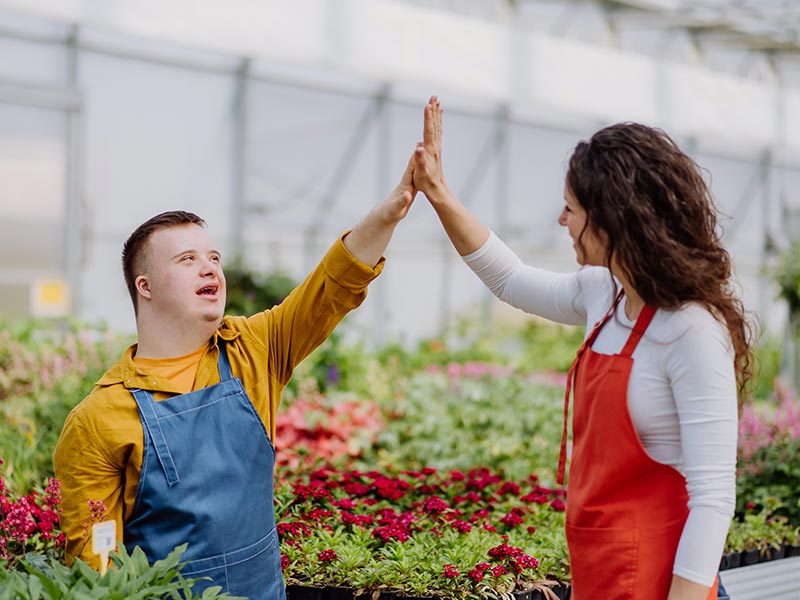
(188,257)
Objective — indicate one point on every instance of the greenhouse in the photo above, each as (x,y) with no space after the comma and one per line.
(425,431)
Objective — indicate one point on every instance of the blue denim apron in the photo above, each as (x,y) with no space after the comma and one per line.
(207,477)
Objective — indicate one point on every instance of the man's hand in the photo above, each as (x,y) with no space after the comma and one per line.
(395,207)
(369,238)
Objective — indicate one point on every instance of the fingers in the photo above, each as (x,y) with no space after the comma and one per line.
(432,125)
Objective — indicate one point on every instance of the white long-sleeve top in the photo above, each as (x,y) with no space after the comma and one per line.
(682,392)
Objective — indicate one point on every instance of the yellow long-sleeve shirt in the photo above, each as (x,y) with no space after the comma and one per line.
(99,453)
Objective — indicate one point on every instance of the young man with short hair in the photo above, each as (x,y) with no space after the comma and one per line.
(176,439)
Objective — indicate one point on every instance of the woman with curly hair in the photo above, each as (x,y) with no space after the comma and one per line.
(654,386)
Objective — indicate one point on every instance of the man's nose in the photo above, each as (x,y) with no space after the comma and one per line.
(210,268)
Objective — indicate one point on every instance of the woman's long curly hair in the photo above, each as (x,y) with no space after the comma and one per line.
(650,201)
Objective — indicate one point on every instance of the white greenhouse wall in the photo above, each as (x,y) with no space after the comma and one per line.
(140,104)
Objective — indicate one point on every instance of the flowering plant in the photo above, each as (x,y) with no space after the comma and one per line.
(316,428)
(769,457)
(30,523)
(471,534)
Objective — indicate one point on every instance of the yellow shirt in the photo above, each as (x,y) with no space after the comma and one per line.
(99,453)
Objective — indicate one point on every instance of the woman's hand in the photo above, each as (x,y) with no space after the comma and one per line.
(683,589)
(428,173)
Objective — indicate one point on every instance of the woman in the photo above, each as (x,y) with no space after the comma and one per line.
(651,488)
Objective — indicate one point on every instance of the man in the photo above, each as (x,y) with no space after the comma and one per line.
(176,438)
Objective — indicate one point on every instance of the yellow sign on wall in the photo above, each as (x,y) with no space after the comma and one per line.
(50,298)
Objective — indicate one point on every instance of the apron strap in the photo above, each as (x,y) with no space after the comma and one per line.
(562,455)
(150,420)
(645,316)
(223,364)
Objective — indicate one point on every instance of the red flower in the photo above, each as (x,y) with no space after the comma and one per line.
(434,505)
(327,556)
(450,571)
(461,526)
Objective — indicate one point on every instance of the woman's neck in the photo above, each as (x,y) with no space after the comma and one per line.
(633,301)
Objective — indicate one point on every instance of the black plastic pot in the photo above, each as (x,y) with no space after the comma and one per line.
(734,559)
(335,592)
(304,592)
(750,557)
(562,591)
(771,553)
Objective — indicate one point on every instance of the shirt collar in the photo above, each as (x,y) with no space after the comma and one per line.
(124,371)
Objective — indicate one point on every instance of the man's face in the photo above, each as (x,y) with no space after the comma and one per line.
(183,275)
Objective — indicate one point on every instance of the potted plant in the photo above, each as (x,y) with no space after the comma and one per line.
(418,534)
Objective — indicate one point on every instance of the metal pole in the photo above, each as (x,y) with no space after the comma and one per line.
(74,226)
(340,174)
(378,333)
(239,160)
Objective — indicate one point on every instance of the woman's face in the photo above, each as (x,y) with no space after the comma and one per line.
(590,247)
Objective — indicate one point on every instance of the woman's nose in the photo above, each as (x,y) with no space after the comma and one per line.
(562,218)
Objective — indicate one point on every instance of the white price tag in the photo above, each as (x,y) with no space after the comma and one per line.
(104,539)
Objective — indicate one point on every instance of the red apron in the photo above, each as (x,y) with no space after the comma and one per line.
(625,511)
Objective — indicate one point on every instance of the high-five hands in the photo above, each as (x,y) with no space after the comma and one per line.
(428,172)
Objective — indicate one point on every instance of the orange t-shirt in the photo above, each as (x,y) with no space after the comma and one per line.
(179,370)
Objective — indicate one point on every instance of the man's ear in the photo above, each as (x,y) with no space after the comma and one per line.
(143,286)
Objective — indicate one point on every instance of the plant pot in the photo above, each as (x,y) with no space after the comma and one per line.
(734,559)
(749,557)
(792,550)
(304,592)
(337,592)
(563,592)
(771,553)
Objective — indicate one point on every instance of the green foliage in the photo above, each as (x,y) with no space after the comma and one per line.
(48,367)
(508,423)
(787,276)
(130,578)
(760,531)
(535,346)
(772,480)
(250,292)
(548,346)
(768,365)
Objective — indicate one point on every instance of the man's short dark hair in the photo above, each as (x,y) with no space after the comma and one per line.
(133,252)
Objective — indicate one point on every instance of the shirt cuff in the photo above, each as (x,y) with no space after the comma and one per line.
(345,269)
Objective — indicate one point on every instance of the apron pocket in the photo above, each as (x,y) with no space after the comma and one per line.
(603,561)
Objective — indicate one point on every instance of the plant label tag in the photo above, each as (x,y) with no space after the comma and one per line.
(104,537)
